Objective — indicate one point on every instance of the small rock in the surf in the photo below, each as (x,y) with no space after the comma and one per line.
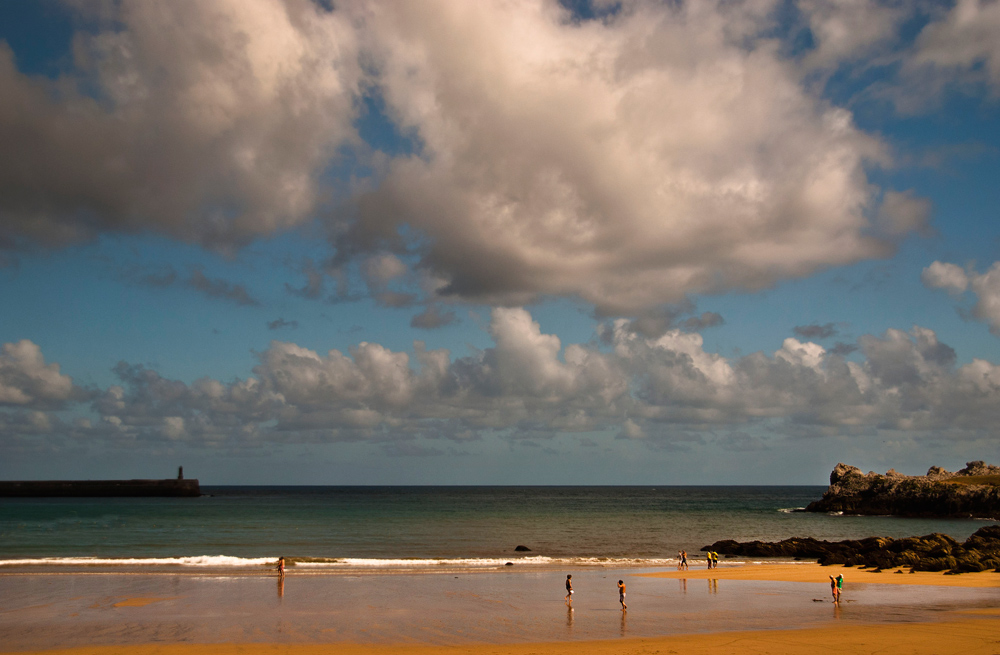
(522,549)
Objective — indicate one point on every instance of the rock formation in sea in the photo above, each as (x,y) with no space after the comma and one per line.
(972,492)
(933,552)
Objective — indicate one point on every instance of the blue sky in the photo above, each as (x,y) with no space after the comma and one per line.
(510,243)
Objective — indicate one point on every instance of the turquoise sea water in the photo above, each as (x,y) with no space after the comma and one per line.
(410,527)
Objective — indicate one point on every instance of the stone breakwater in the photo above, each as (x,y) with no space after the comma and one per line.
(933,552)
(972,492)
(99,488)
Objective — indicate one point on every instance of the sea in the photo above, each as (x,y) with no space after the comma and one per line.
(327,529)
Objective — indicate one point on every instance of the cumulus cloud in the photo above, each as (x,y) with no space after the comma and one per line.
(27,381)
(207,122)
(941,275)
(663,392)
(664,149)
(984,286)
(626,161)
(962,44)
(846,30)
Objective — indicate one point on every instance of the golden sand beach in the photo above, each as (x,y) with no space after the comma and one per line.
(812,572)
(967,628)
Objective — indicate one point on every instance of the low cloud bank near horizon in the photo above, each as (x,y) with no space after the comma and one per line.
(658,151)
(527,383)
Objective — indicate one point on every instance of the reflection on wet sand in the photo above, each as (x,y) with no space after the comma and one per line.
(50,611)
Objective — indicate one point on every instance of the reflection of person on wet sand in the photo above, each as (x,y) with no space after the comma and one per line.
(281,586)
(569,588)
(621,595)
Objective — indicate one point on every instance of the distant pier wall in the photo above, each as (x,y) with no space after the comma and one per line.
(98,488)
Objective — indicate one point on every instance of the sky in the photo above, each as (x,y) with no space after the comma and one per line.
(498,242)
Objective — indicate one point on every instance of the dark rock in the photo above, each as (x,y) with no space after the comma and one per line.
(938,494)
(509,564)
(933,552)
(522,549)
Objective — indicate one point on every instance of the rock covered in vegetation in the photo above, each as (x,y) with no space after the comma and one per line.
(972,492)
(933,552)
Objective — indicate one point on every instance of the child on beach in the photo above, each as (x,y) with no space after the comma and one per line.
(569,588)
(684,560)
(840,586)
(281,567)
(621,595)
(833,589)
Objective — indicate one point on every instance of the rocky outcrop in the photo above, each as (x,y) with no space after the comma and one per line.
(972,492)
(933,552)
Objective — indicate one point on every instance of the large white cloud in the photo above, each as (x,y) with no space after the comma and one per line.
(207,121)
(665,149)
(626,161)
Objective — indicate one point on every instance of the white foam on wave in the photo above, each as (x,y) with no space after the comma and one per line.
(791,510)
(226,561)
(197,560)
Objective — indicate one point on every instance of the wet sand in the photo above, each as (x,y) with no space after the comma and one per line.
(750,609)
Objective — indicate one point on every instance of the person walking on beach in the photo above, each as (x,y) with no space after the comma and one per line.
(621,595)
(281,567)
(569,588)
(684,560)
(833,590)
(840,586)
